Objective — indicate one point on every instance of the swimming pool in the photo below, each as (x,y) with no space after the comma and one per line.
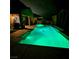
(45,36)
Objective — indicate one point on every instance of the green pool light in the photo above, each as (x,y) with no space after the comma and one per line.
(45,36)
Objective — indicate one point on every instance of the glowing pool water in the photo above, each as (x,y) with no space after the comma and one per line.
(45,36)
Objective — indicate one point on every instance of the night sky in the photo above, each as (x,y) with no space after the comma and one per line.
(41,7)
(46,7)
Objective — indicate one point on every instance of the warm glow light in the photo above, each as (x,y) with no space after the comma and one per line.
(12,16)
